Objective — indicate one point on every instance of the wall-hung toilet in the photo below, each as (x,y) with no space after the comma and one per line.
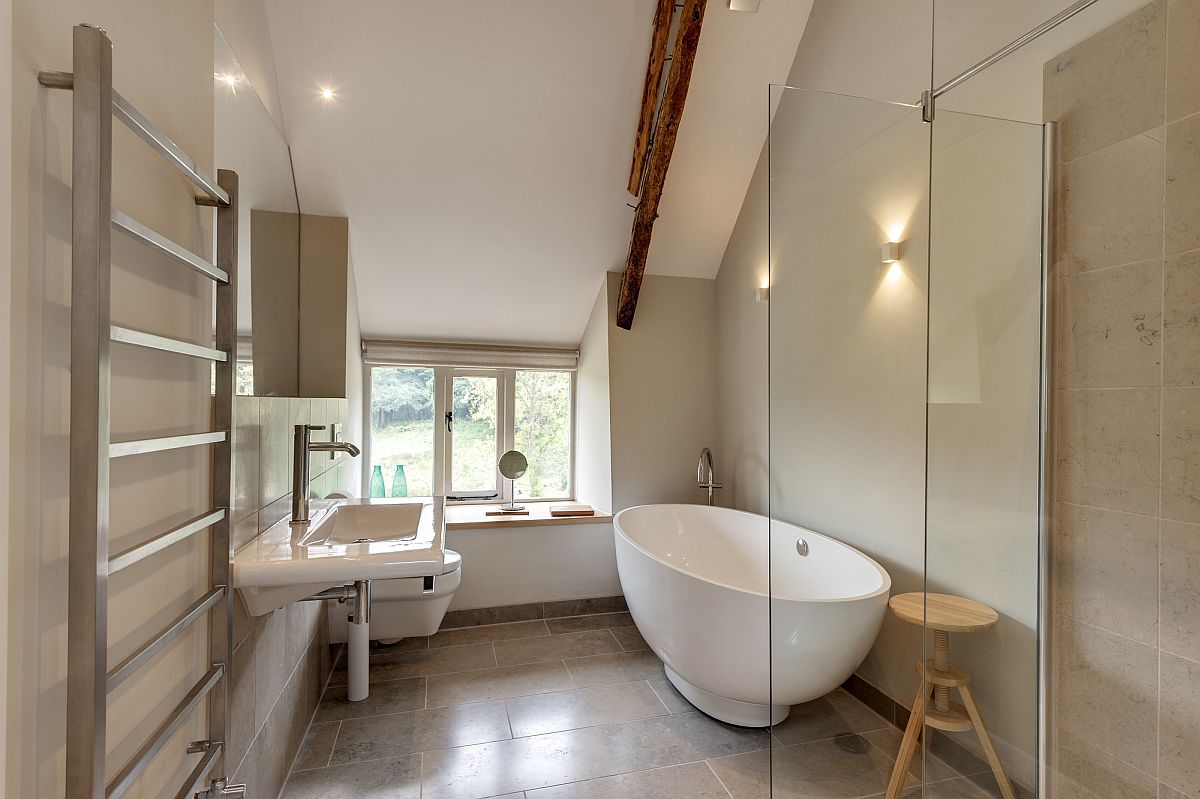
(404,608)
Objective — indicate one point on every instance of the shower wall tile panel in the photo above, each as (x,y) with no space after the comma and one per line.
(1112,327)
(1110,87)
(1126,480)
(1182,204)
(1181,321)
(1183,59)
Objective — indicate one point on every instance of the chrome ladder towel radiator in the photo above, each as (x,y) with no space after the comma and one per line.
(89,677)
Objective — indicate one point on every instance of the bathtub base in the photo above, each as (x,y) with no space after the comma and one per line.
(730,711)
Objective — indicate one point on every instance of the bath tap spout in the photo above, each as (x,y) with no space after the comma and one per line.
(704,474)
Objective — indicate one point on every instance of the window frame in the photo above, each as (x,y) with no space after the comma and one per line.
(506,388)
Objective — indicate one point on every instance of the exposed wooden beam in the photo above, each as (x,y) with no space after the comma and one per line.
(686,41)
(654,69)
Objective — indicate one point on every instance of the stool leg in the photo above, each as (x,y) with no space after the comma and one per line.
(986,741)
(908,745)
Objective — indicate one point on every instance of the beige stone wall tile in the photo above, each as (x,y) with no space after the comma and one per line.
(1110,87)
(246,454)
(1084,772)
(1111,327)
(1181,454)
(1182,202)
(1183,58)
(276,448)
(1179,725)
(1181,321)
(1107,568)
(1107,693)
(1107,453)
(1180,589)
(1113,205)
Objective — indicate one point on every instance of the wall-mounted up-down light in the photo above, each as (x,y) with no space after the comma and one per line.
(891,252)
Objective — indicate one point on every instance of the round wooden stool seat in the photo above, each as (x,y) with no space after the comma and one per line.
(944,612)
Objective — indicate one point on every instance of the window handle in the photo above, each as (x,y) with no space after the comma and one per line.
(449,421)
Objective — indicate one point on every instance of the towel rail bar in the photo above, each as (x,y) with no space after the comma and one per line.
(162,541)
(160,142)
(121,449)
(146,652)
(151,238)
(150,341)
(125,780)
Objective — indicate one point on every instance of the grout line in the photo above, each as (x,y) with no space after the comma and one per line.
(1160,260)
(720,781)
(657,697)
(1162,379)
(333,748)
(1113,145)
(660,699)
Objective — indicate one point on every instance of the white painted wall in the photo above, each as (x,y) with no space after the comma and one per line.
(663,381)
(515,565)
(162,62)
(742,351)
(593,439)
(6,60)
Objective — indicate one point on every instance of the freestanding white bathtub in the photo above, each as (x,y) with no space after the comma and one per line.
(745,624)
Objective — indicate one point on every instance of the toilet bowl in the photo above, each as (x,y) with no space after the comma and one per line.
(403,608)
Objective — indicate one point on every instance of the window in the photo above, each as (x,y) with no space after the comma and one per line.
(402,431)
(448,427)
(542,430)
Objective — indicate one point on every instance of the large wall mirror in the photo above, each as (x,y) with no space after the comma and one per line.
(249,141)
(292,267)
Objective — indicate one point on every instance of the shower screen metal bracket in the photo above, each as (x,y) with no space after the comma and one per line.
(928,98)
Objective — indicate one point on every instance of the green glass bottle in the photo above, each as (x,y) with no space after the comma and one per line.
(399,482)
(377,489)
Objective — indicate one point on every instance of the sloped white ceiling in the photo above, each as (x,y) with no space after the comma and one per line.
(481,150)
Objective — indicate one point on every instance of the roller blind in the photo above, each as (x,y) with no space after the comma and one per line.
(496,356)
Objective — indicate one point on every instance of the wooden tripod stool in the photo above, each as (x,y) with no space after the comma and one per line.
(944,614)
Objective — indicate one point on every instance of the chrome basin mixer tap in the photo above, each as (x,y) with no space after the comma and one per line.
(302,445)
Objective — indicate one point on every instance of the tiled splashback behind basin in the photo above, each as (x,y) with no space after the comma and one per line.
(281,660)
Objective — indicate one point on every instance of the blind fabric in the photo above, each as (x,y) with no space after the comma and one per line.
(461,354)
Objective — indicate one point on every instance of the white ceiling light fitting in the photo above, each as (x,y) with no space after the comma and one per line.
(744,5)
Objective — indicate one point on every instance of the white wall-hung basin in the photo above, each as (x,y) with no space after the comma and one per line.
(345,541)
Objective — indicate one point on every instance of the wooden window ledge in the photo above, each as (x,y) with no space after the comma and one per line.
(474,517)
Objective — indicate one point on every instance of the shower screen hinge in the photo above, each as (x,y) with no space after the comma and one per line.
(927,106)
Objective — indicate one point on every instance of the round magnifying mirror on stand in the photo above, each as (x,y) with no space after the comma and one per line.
(513,466)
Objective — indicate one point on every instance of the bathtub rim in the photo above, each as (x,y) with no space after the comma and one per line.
(884,589)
